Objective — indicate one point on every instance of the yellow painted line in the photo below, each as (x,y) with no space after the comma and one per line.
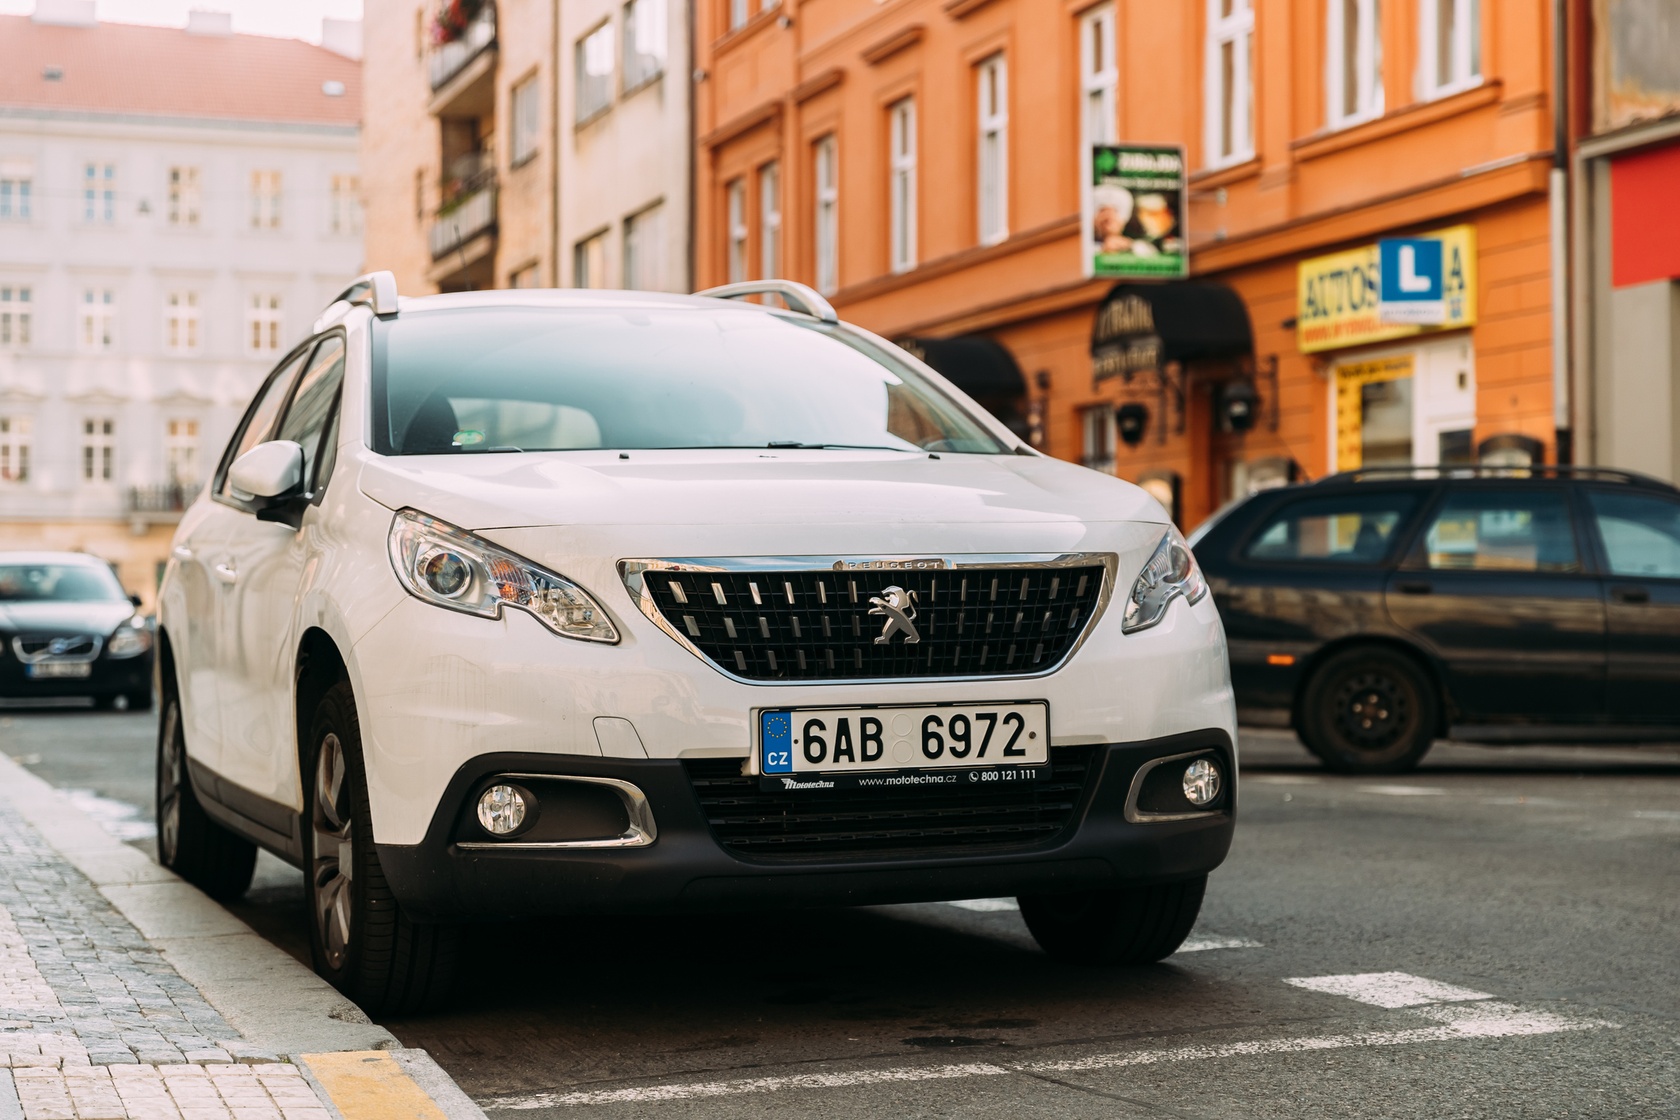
(370,1085)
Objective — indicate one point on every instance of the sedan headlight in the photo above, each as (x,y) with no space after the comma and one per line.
(131,639)
(451,568)
(1171,572)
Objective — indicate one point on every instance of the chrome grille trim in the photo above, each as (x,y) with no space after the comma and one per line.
(636,573)
(36,649)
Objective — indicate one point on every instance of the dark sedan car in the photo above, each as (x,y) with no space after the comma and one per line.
(68,631)
(1378,610)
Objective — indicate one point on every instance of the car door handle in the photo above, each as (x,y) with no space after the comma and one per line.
(1630,595)
(227,573)
(1414,587)
(181,552)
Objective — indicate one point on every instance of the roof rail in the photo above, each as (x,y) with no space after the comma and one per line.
(798,297)
(377,290)
(1477,470)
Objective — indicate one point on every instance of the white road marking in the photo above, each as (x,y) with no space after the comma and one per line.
(1465,1022)
(1657,814)
(1403,791)
(1387,989)
(1194,944)
(986,905)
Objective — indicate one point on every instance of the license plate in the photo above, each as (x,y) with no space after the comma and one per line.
(60,669)
(823,748)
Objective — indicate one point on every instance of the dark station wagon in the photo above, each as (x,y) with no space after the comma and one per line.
(1378,610)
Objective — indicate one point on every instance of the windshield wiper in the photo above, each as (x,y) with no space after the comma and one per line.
(796,445)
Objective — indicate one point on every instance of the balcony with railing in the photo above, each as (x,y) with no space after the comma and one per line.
(464,229)
(164,501)
(462,65)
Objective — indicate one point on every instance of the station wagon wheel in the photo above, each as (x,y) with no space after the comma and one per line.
(196,848)
(1369,711)
(334,852)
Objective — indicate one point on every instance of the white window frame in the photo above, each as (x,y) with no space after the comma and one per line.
(826,219)
(265,323)
(17,190)
(1367,63)
(645,35)
(527,120)
(99,451)
(991,87)
(17,305)
(181,448)
(590,249)
(265,198)
(17,442)
(96,323)
(1466,63)
(185,198)
(735,219)
(770,220)
(99,193)
(740,11)
(181,322)
(901,190)
(1099,79)
(644,235)
(594,86)
(345,196)
(1237,30)
(1099,434)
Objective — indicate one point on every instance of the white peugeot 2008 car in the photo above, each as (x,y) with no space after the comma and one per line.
(539,603)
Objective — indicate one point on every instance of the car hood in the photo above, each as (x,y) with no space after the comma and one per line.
(748,488)
(96,617)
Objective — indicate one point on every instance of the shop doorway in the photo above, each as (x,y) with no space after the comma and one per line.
(1415,406)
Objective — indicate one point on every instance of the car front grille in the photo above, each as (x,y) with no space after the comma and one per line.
(32,648)
(836,625)
(904,822)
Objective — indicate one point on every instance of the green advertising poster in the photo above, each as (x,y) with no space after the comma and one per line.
(1134,212)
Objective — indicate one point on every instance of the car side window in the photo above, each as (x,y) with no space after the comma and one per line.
(1345,529)
(313,407)
(1641,534)
(1502,531)
(259,419)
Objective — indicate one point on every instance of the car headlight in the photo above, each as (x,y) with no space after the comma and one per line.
(1172,571)
(131,639)
(451,568)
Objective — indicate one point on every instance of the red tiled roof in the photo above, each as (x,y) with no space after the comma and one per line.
(164,71)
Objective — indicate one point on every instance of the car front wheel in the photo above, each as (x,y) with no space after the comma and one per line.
(1369,711)
(1137,925)
(360,939)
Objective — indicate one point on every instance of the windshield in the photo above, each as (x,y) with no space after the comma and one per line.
(58,583)
(542,379)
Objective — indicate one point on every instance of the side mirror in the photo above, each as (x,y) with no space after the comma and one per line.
(272,475)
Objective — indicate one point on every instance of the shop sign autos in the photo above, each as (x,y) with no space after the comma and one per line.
(1340,297)
(1134,212)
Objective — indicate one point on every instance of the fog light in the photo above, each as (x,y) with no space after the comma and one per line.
(1201,783)
(501,809)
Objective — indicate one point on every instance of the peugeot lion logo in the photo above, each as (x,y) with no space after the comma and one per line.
(899,607)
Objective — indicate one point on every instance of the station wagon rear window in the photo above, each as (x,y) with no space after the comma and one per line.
(1349,529)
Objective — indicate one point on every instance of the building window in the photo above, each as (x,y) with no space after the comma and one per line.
(527,119)
(1353,65)
(1451,51)
(264,324)
(17,184)
(420,195)
(739,12)
(265,200)
(97,327)
(99,449)
(180,322)
(99,193)
(183,196)
(737,193)
(345,199)
(902,149)
(993,88)
(589,262)
(523,278)
(1099,78)
(1228,81)
(595,72)
(14,314)
(180,451)
(16,440)
(643,249)
(1098,448)
(770,220)
(828,213)
(645,36)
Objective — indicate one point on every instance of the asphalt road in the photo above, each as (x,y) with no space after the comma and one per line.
(1496,935)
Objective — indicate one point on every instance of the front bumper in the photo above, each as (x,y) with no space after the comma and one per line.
(125,676)
(687,868)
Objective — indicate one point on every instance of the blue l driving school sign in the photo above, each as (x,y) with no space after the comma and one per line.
(1411,281)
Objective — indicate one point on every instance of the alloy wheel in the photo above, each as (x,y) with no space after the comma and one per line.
(334,851)
(171,780)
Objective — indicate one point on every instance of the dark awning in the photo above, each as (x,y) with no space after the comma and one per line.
(1145,326)
(981,367)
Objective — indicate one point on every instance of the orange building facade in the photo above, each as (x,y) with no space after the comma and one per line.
(920,161)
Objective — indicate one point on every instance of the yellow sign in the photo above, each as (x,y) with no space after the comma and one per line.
(1350,415)
(1337,295)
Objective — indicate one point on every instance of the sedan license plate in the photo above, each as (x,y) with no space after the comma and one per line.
(60,669)
(946,744)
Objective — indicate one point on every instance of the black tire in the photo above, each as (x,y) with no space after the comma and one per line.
(1369,711)
(140,701)
(361,941)
(1138,925)
(196,848)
